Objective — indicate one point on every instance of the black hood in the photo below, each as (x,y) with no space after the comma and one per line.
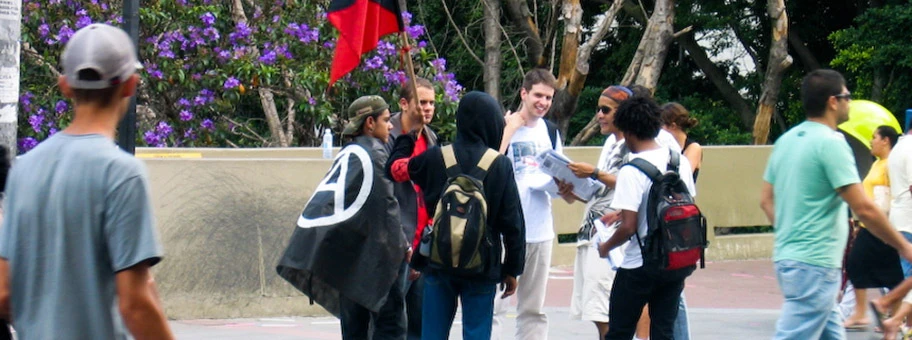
(479,120)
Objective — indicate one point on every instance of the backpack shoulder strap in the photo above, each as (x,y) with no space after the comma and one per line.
(645,167)
(481,170)
(552,133)
(674,160)
(449,161)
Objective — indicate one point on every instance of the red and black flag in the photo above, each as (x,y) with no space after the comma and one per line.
(361,23)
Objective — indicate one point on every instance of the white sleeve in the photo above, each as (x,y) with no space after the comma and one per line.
(630,189)
(667,140)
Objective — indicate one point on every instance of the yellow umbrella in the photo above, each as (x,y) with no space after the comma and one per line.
(864,117)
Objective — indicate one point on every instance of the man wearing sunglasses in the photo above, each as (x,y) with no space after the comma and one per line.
(809,178)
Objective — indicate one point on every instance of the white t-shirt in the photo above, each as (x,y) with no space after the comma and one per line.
(536,189)
(667,140)
(899,166)
(632,188)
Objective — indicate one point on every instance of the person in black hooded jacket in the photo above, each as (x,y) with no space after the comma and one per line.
(479,127)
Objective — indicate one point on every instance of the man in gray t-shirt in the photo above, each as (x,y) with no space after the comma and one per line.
(78,238)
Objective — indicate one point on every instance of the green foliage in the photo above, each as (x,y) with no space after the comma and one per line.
(879,42)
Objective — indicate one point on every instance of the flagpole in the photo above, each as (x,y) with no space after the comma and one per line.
(410,70)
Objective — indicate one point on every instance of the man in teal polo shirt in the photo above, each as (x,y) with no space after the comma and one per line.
(809,178)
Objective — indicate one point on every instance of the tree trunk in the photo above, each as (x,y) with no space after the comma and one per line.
(877,87)
(11,26)
(266,96)
(519,14)
(718,78)
(779,60)
(493,58)
(580,71)
(660,32)
(564,99)
(804,54)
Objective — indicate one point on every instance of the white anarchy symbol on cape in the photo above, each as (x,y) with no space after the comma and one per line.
(340,212)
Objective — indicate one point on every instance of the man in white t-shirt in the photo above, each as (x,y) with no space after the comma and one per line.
(525,136)
(635,285)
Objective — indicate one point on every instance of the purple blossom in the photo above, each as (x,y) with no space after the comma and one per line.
(151,138)
(26,101)
(302,32)
(83,19)
(186,115)
(439,64)
(61,106)
(275,18)
(64,34)
(406,17)
(231,83)
(26,144)
(329,44)
(153,71)
(163,129)
(190,134)
(241,33)
(183,102)
(211,33)
(182,2)
(208,19)
(167,54)
(385,48)
(312,101)
(44,30)
(267,58)
(452,89)
(52,131)
(196,76)
(223,56)
(207,125)
(373,63)
(415,31)
(36,121)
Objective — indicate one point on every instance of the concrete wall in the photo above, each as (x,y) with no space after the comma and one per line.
(225,216)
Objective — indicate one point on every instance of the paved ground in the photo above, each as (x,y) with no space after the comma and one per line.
(727,300)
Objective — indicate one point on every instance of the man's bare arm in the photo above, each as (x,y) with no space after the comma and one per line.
(874,219)
(139,304)
(5,311)
(766,202)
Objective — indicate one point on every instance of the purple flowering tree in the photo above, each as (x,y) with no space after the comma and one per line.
(223,72)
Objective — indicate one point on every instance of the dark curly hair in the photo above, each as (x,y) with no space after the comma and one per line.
(640,117)
(4,166)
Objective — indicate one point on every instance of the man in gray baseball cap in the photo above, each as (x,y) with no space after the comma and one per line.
(78,237)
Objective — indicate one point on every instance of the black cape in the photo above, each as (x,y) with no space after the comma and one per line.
(348,240)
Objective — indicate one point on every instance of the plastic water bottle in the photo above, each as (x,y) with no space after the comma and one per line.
(327,144)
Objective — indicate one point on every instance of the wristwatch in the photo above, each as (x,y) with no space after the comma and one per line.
(595,174)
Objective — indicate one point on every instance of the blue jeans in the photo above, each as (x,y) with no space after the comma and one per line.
(414,296)
(810,310)
(906,266)
(681,324)
(439,307)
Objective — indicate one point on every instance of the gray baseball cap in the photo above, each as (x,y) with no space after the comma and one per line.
(104,49)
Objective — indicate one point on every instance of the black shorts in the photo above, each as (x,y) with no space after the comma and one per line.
(872,263)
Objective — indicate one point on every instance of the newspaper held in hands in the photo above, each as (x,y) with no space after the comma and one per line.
(603,233)
(555,165)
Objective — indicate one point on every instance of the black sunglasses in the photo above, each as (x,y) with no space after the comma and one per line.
(605,109)
(846,96)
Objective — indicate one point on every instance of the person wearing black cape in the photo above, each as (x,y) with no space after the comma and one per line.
(346,252)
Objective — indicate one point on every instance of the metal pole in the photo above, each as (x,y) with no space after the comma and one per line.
(126,130)
(10,32)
